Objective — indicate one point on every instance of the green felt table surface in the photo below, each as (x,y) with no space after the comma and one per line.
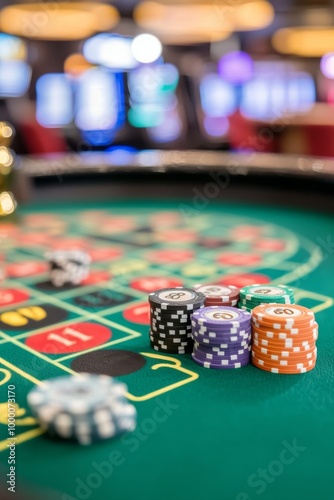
(216,434)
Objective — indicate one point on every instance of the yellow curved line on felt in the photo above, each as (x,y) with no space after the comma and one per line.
(8,376)
(320,307)
(20,415)
(175,366)
(316,257)
(20,372)
(324,301)
(21,438)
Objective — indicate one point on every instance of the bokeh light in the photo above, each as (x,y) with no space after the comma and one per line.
(146,48)
(76,64)
(218,97)
(110,50)
(310,41)
(99,102)
(252,15)
(96,101)
(6,160)
(6,131)
(57,20)
(273,94)
(146,115)
(121,155)
(170,129)
(11,48)
(206,21)
(216,127)
(15,77)
(236,67)
(152,83)
(54,100)
(327,65)
(7,203)
(183,23)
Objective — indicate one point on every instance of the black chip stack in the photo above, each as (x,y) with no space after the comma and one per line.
(171,310)
(68,267)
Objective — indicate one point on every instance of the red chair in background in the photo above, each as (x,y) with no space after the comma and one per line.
(320,140)
(247,135)
(40,140)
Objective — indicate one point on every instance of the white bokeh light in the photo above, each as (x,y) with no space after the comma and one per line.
(146,48)
(112,51)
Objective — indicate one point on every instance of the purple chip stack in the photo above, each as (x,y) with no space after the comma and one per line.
(222,337)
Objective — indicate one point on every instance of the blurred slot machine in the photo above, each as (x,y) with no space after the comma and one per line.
(276,107)
(54,100)
(217,101)
(100,96)
(93,101)
(217,90)
(99,106)
(155,105)
(277,89)
(15,72)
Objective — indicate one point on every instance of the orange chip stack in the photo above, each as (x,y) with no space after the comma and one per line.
(284,338)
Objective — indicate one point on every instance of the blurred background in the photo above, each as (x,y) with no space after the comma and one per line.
(128,75)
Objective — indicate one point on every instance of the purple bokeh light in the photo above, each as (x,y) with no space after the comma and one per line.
(327,65)
(236,67)
(216,126)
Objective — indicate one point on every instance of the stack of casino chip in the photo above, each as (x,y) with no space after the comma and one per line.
(68,267)
(217,295)
(254,295)
(171,310)
(222,337)
(84,408)
(284,338)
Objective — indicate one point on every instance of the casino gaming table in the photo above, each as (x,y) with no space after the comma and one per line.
(220,434)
